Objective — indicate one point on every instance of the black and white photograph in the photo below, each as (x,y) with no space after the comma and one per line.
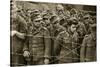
(43,33)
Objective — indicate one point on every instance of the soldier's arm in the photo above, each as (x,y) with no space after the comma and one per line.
(20,35)
(22,26)
(26,52)
(83,50)
(26,45)
(57,46)
(47,41)
(84,29)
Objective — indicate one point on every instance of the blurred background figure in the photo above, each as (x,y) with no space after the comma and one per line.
(88,47)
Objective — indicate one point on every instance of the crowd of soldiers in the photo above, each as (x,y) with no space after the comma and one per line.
(50,37)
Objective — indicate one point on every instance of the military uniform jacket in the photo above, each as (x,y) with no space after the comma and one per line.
(88,49)
(64,44)
(81,29)
(39,44)
(18,24)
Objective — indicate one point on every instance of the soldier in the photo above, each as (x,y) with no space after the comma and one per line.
(87,23)
(39,47)
(73,13)
(88,47)
(18,31)
(57,27)
(65,47)
(46,20)
(28,15)
(34,14)
(61,14)
(81,30)
(60,10)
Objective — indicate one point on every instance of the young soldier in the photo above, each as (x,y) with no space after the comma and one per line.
(88,47)
(65,47)
(39,47)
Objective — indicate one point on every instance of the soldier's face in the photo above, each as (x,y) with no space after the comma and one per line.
(73,28)
(56,24)
(37,23)
(86,20)
(46,20)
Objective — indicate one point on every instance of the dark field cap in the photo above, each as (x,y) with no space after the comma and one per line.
(38,19)
(86,16)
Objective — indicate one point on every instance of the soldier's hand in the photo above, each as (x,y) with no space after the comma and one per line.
(20,35)
(46,61)
(26,54)
(13,33)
